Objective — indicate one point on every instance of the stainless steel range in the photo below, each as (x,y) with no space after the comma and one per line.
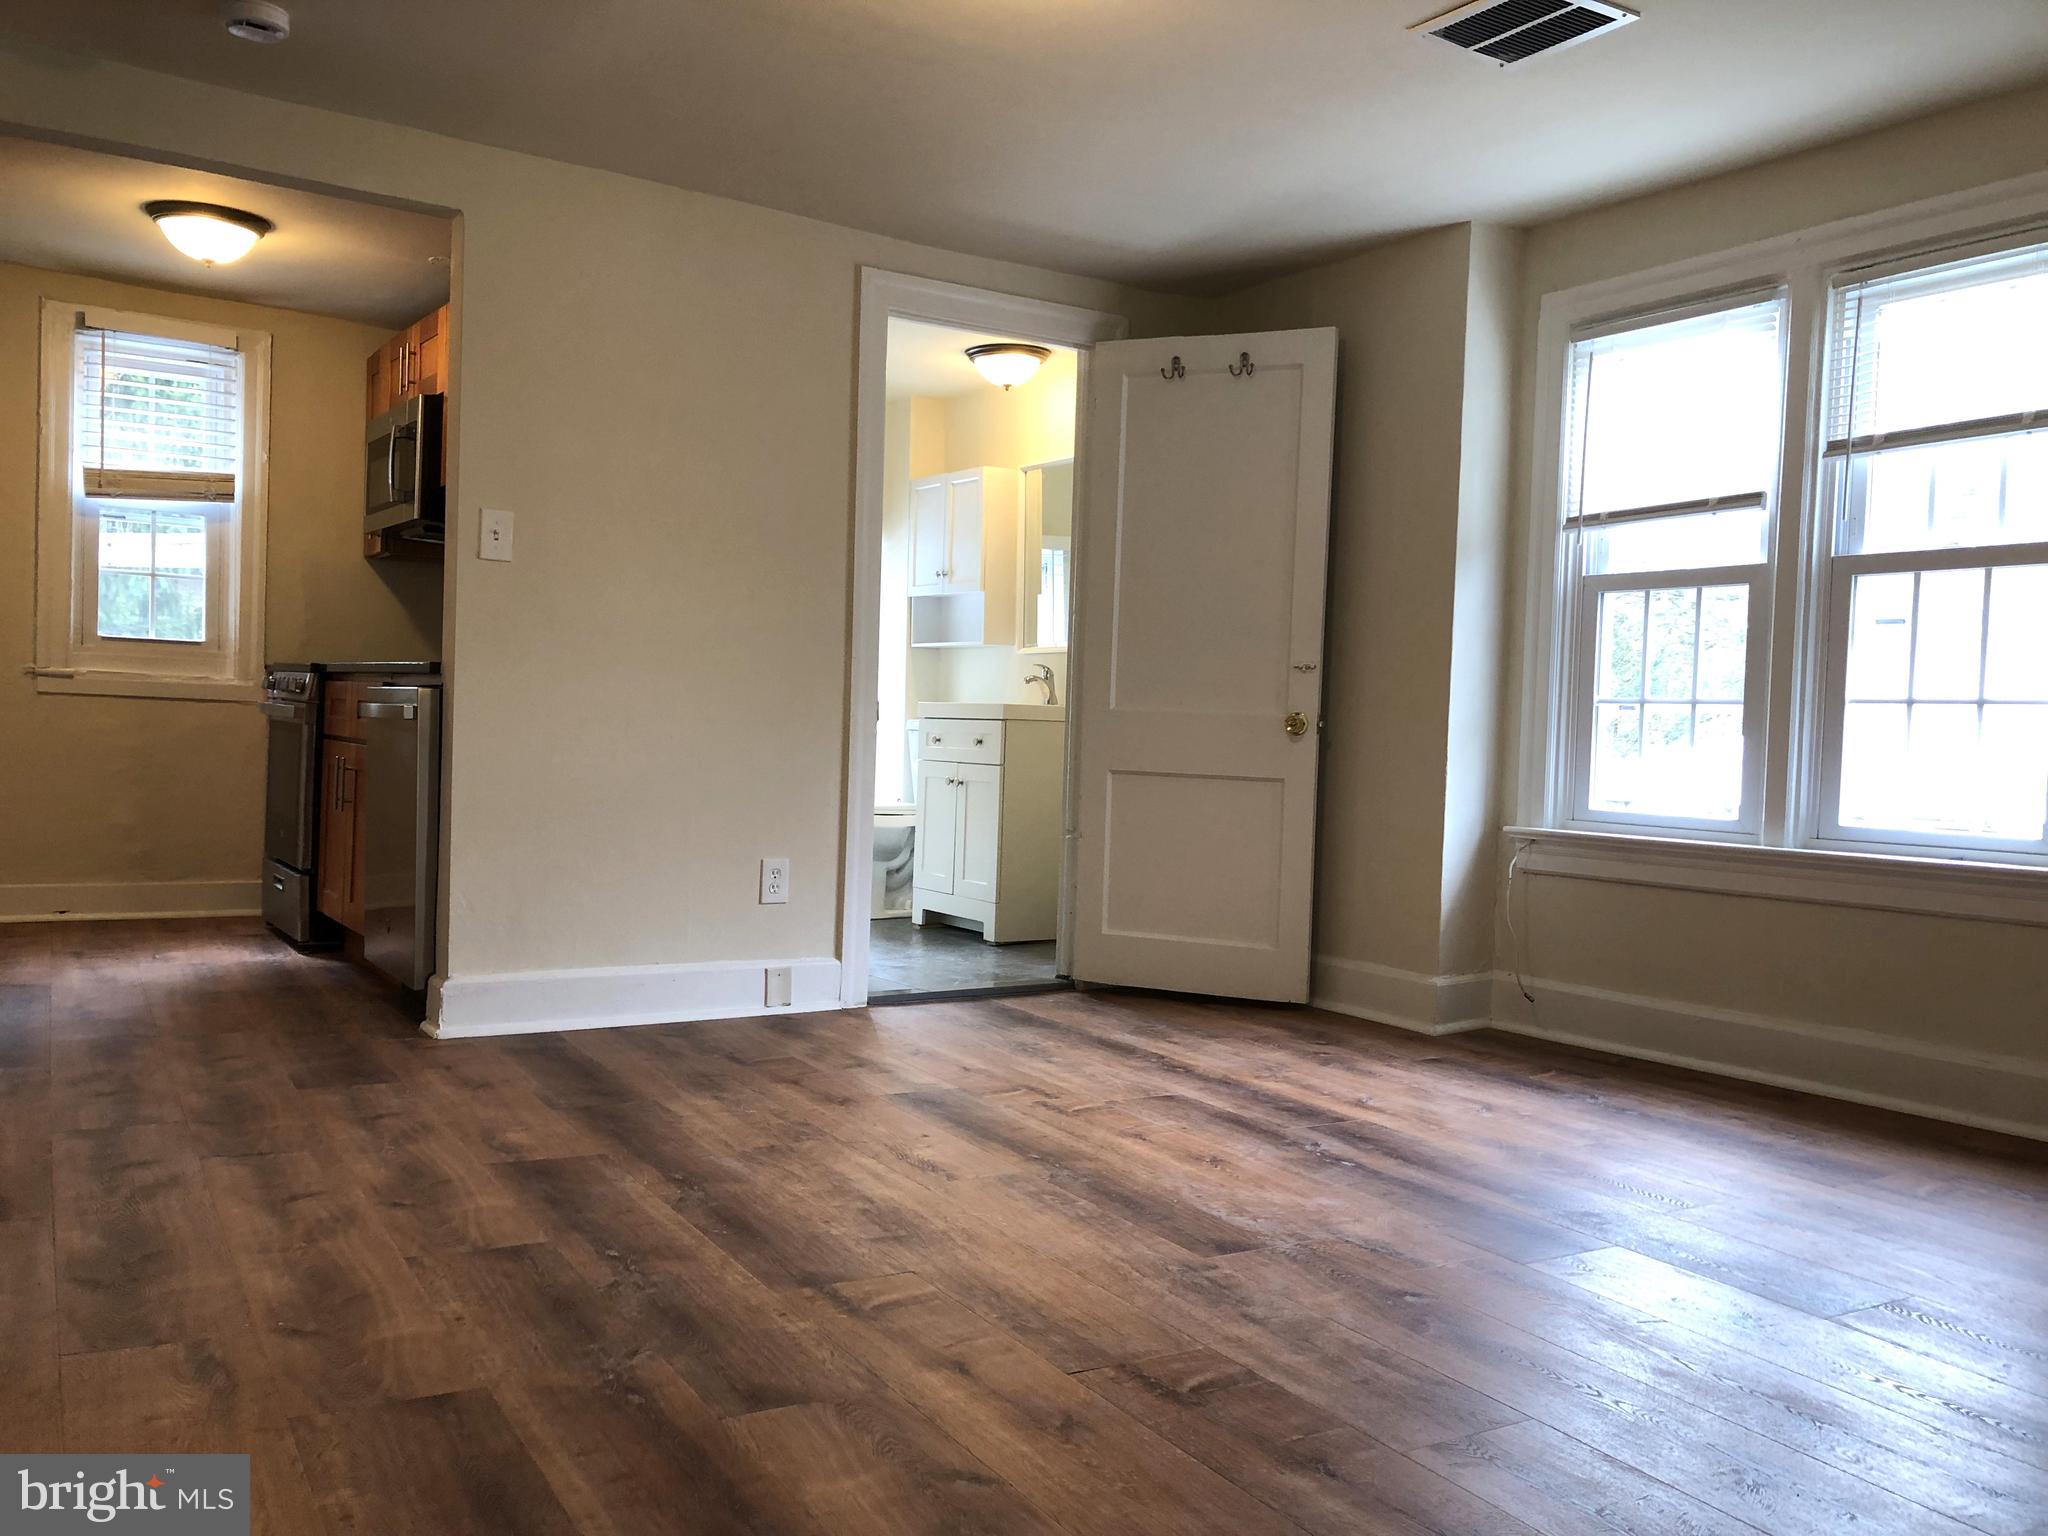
(291,803)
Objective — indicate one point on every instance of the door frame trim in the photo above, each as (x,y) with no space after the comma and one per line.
(884,295)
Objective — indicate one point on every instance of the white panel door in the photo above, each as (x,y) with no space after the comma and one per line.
(980,788)
(938,827)
(929,534)
(1204,539)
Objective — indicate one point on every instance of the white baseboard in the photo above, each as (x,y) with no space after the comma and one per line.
(129,899)
(529,1002)
(1428,1005)
(1977,1088)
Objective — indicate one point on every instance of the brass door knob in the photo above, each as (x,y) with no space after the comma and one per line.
(1295,724)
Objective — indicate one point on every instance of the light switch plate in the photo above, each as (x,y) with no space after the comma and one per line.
(494,535)
(774,882)
(776,989)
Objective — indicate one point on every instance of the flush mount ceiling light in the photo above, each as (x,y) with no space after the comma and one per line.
(208,232)
(256,21)
(1007,362)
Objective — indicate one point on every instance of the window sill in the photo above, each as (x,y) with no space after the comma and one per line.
(1967,888)
(140,685)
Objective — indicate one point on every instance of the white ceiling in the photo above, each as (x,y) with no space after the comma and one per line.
(1169,142)
(73,210)
(931,360)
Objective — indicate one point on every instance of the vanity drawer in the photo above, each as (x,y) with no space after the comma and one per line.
(961,741)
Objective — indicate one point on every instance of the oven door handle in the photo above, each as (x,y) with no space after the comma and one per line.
(295,713)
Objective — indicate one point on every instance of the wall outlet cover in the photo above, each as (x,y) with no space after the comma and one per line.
(776,991)
(494,535)
(774,881)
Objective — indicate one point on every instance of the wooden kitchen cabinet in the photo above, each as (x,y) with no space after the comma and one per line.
(408,365)
(377,383)
(340,874)
(427,354)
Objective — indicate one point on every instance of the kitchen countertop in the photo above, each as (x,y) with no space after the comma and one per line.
(346,668)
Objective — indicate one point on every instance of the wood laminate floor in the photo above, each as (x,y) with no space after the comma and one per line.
(1079,1263)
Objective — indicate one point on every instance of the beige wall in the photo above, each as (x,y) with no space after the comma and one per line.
(102,791)
(1904,984)
(652,696)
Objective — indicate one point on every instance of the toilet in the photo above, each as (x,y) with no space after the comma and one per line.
(896,839)
(895,847)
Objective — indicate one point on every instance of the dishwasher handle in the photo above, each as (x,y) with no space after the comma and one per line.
(387,711)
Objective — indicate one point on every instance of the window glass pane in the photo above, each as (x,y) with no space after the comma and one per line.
(180,608)
(1668,719)
(1724,643)
(1873,747)
(2016,650)
(1689,541)
(124,605)
(1948,635)
(1677,411)
(181,544)
(1673,637)
(1621,645)
(152,574)
(2014,760)
(125,540)
(1987,490)
(1947,769)
(1880,635)
(1617,756)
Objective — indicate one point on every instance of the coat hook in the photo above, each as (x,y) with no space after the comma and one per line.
(1175,372)
(1242,368)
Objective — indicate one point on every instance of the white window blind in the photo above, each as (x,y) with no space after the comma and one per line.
(1675,416)
(158,418)
(1941,353)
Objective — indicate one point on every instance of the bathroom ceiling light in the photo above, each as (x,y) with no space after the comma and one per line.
(1007,362)
(208,232)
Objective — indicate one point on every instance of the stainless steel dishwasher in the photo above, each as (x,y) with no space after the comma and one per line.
(401,811)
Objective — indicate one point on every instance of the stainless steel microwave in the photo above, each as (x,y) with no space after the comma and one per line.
(404,495)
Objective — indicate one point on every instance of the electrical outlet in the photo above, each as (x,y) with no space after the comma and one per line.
(776,992)
(774,881)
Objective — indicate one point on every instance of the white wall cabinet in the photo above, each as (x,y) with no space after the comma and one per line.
(989,833)
(963,557)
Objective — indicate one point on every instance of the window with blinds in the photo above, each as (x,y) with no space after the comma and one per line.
(1936,477)
(156,418)
(1671,455)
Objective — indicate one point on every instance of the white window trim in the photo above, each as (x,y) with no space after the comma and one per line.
(65,660)
(1774,861)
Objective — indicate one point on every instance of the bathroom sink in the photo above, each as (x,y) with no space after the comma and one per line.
(992,711)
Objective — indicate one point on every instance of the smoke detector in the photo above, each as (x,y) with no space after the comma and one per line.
(257,21)
(1515,31)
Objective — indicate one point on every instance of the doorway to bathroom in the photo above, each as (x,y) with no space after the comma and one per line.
(957,840)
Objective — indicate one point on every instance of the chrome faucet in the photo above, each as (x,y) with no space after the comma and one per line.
(1042,675)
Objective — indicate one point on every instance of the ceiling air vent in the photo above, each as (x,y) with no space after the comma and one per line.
(1514,31)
